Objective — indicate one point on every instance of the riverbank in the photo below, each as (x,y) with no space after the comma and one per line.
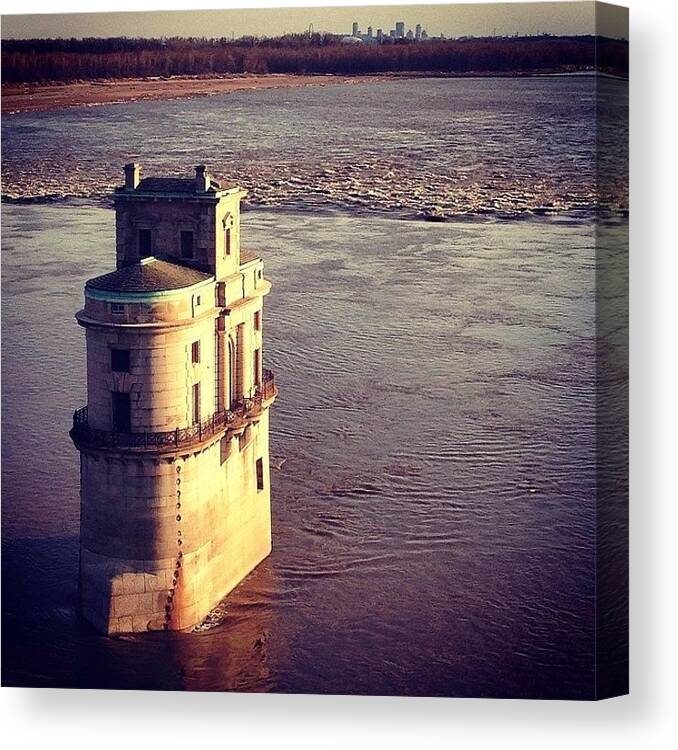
(44,97)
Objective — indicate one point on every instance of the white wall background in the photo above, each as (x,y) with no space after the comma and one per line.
(102,720)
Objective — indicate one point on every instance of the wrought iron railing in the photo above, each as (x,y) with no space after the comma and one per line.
(230,419)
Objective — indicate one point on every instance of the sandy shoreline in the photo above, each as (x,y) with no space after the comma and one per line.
(34,98)
(44,97)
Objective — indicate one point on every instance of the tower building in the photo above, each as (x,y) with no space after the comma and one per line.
(173,442)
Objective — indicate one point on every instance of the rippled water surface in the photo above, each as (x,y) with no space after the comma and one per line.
(433,443)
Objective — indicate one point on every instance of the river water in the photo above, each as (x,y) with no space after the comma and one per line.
(433,444)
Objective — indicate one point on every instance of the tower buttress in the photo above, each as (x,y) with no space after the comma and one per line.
(175,495)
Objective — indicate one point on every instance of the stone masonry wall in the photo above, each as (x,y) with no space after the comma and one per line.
(160,377)
(166,219)
(164,540)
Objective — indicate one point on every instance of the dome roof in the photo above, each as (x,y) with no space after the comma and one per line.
(148,275)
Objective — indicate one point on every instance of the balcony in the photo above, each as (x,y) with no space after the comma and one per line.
(238,417)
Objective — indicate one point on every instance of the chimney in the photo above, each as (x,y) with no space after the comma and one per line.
(132,176)
(202,179)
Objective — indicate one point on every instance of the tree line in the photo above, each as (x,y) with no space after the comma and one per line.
(64,60)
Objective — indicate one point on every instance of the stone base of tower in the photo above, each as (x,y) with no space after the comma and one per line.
(165,538)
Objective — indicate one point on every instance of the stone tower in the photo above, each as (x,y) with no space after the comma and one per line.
(175,494)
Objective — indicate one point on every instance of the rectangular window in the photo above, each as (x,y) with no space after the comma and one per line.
(120,360)
(122,418)
(227,240)
(257,320)
(260,474)
(187,244)
(195,404)
(117,308)
(144,243)
(239,363)
(257,366)
(195,352)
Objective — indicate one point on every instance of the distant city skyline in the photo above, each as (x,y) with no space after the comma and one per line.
(398,31)
(451,20)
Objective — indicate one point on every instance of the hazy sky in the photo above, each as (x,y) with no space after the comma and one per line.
(451,20)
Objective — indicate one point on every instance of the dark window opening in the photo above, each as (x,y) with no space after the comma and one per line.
(144,240)
(257,366)
(227,240)
(239,362)
(120,360)
(260,474)
(122,416)
(187,244)
(117,308)
(257,320)
(195,352)
(195,404)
